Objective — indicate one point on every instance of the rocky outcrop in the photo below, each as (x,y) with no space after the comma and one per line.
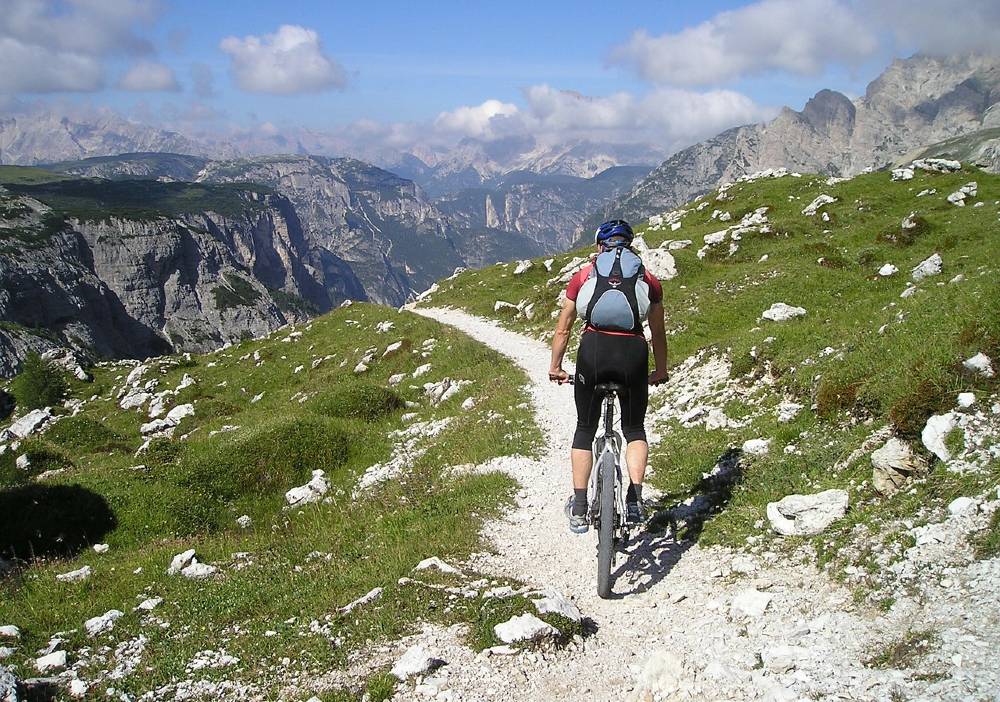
(916,101)
(143,284)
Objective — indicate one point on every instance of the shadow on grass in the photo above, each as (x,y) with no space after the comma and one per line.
(43,521)
(674,528)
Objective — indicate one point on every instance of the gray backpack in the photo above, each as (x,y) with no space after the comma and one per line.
(615,296)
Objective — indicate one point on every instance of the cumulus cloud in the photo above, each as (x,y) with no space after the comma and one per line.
(49,46)
(149,76)
(287,62)
(474,121)
(938,27)
(798,36)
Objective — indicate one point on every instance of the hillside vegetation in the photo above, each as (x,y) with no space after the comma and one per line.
(391,422)
(864,362)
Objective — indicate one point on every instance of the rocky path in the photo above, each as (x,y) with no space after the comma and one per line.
(685,622)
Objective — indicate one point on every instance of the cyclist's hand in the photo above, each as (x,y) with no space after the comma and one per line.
(658,377)
(559,376)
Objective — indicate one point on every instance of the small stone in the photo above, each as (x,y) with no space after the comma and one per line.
(416,661)
(757,447)
(749,604)
(437,564)
(980,363)
(961,505)
(148,605)
(9,631)
(181,561)
(966,399)
(930,266)
(807,515)
(887,270)
(935,432)
(103,623)
(101,548)
(780,312)
(526,627)
(244,521)
(199,571)
(75,576)
(554,602)
(77,688)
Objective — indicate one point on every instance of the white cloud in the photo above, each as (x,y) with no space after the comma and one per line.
(798,36)
(149,76)
(287,62)
(49,46)
(938,26)
(203,80)
(474,121)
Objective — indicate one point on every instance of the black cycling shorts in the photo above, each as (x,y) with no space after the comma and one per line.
(611,358)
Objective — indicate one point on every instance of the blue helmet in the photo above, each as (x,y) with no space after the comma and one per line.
(613,228)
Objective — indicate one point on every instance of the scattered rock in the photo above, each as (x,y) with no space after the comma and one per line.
(104,623)
(23,462)
(887,270)
(149,604)
(966,399)
(936,431)
(522,267)
(9,631)
(980,363)
(526,627)
(244,521)
(27,425)
(416,661)
(749,604)
(8,685)
(926,268)
(51,662)
(938,165)
(893,464)
(437,564)
(75,576)
(370,596)
(782,659)
(961,505)
(101,548)
(180,561)
(551,601)
(780,312)
(312,491)
(902,174)
(199,571)
(788,410)
(757,447)
(822,200)
(807,515)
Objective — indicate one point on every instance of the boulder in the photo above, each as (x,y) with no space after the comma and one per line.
(522,267)
(935,432)
(757,447)
(961,506)
(526,627)
(181,561)
(51,662)
(926,268)
(27,425)
(893,464)
(780,312)
(902,174)
(887,270)
(180,412)
(807,515)
(416,661)
(199,571)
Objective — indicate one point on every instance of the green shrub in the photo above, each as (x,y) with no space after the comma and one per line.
(39,384)
(361,400)
(237,292)
(85,435)
(834,395)
(263,462)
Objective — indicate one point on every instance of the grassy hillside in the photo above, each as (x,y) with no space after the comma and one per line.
(862,357)
(266,414)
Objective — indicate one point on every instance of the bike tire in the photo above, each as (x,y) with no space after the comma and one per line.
(606,527)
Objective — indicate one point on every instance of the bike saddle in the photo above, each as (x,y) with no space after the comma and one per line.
(605,388)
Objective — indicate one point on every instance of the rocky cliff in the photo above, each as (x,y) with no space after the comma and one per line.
(189,268)
(916,101)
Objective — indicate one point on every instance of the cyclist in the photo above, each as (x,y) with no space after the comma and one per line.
(612,298)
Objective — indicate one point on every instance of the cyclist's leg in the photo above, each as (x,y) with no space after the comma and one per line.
(588,411)
(633,407)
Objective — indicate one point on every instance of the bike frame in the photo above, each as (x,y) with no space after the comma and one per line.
(610,442)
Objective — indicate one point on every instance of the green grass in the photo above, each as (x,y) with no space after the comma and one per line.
(28,175)
(898,377)
(905,652)
(189,492)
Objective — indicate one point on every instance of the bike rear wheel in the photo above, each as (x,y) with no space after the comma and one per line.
(606,527)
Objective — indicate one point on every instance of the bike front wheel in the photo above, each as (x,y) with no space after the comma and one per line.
(606,526)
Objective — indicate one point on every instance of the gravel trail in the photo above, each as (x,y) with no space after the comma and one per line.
(685,622)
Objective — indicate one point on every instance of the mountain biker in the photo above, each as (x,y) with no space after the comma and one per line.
(611,352)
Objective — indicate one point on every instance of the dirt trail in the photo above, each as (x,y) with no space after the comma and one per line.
(671,632)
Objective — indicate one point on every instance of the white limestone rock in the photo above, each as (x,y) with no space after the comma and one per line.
(244,521)
(9,631)
(780,312)
(966,399)
(757,447)
(51,663)
(749,604)
(893,464)
(980,363)
(928,267)
(902,174)
(437,564)
(821,201)
(525,627)
(522,267)
(75,576)
(416,661)
(936,431)
(313,491)
(370,596)
(937,165)
(961,506)
(104,623)
(807,515)
(199,571)
(27,425)
(180,412)
(180,561)
(887,270)
(101,548)
(788,410)
(551,601)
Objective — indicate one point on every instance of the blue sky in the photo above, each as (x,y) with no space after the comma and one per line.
(401,72)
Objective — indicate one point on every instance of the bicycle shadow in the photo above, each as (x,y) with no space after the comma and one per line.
(672,530)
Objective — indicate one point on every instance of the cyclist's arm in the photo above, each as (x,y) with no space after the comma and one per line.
(560,340)
(658,339)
